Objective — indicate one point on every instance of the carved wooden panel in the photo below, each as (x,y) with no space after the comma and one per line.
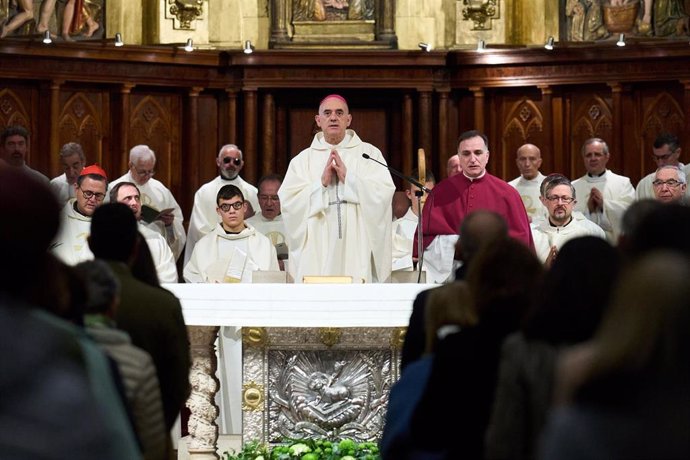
(523,124)
(154,121)
(81,120)
(661,112)
(16,108)
(590,117)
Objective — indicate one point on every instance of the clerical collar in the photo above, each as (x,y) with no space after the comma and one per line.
(76,209)
(596,175)
(227,232)
(228,179)
(472,179)
(564,225)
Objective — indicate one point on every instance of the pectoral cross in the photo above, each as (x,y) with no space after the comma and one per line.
(337,204)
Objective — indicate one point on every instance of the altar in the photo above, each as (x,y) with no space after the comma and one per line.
(317,359)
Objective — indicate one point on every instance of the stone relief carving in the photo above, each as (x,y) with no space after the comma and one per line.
(184,13)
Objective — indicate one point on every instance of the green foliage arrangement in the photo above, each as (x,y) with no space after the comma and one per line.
(308,449)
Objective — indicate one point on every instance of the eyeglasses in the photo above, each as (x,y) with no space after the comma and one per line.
(88,194)
(225,207)
(671,183)
(662,157)
(237,160)
(269,197)
(144,173)
(556,198)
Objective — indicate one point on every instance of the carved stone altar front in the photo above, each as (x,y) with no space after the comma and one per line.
(317,382)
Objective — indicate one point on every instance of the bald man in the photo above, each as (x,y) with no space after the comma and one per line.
(527,184)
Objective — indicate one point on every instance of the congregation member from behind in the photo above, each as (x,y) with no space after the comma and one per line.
(135,365)
(72,161)
(14,146)
(151,316)
(604,195)
(336,204)
(44,376)
(234,249)
(586,268)
(456,197)
(626,392)
(204,219)
(160,210)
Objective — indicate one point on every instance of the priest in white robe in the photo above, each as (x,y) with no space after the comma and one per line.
(128,194)
(404,228)
(336,204)
(269,220)
(72,160)
(562,224)
(234,249)
(604,195)
(70,244)
(529,182)
(666,151)
(204,217)
(142,164)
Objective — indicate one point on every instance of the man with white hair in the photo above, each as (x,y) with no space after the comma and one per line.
(204,216)
(453,167)
(157,197)
(670,184)
(666,151)
(73,161)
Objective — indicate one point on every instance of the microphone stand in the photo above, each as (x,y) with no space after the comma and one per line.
(418,194)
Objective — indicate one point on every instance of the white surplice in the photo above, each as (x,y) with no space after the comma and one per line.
(70,244)
(345,228)
(529,192)
(545,235)
(161,254)
(403,238)
(63,190)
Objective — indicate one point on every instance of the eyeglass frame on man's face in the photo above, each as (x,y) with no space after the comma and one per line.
(671,183)
(145,173)
(237,161)
(88,194)
(225,207)
(557,198)
(264,197)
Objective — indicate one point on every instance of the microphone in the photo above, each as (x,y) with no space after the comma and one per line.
(395,172)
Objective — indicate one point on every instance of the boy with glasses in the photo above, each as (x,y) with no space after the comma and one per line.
(234,249)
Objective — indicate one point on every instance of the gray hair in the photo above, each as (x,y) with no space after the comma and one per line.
(70,149)
(141,153)
(554,180)
(102,286)
(230,147)
(682,177)
(592,141)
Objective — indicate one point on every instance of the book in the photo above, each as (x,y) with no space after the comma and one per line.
(149,213)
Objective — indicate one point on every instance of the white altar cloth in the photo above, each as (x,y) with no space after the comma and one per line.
(297,305)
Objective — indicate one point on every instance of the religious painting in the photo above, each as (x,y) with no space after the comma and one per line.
(595,20)
(66,20)
(334,24)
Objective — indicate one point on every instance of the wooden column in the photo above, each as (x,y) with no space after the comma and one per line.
(407,146)
(479,120)
(616,144)
(249,148)
(547,107)
(445,151)
(283,155)
(192,147)
(425,139)
(124,125)
(686,111)
(54,148)
(268,135)
(232,118)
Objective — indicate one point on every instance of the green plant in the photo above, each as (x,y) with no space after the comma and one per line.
(308,449)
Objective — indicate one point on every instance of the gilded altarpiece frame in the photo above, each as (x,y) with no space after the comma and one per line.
(332,24)
(317,382)
(85,21)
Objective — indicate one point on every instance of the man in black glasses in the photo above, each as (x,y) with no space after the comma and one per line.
(70,245)
(670,184)
(204,217)
(666,151)
(233,250)
(561,225)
